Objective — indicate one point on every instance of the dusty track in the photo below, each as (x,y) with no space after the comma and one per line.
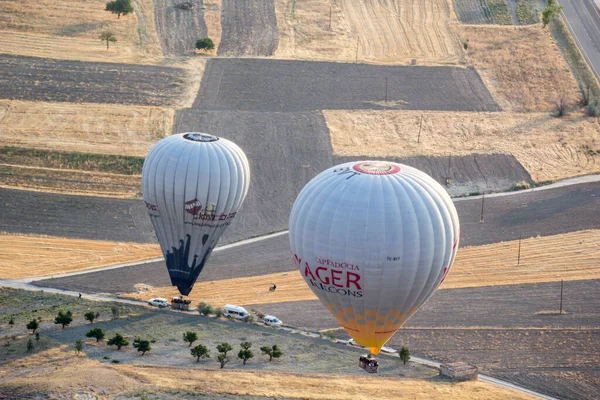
(43,79)
(248,28)
(274,85)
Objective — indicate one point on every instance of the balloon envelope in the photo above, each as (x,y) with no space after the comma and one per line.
(373,240)
(193,186)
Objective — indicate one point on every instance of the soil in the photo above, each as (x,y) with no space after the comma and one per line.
(179,28)
(275,85)
(549,148)
(43,79)
(77,217)
(248,28)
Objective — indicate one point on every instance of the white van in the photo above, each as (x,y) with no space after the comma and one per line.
(232,311)
(271,320)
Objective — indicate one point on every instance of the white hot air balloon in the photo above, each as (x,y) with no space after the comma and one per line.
(193,186)
(373,240)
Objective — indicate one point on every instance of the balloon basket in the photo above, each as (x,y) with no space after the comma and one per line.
(369,363)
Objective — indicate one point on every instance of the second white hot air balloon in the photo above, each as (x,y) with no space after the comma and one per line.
(373,240)
(193,186)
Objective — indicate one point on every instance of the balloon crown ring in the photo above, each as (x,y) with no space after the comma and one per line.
(200,137)
(376,168)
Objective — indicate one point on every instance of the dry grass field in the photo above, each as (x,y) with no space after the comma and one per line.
(522,66)
(26,256)
(549,148)
(67,29)
(388,31)
(88,128)
(572,256)
(39,373)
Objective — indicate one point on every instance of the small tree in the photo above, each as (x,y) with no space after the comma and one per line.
(224,348)
(30,345)
(37,336)
(78,346)
(142,345)
(272,352)
(11,321)
(33,325)
(551,12)
(205,44)
(205,308)
(561,107)
(586,94)
(116,312)
(119,7)
(223,359)
(118,340)
(218,312)
(245,353)
(190,337)
(200,351)
(91,316)
(404,354)
(64,319)
(108,37)
(96,333)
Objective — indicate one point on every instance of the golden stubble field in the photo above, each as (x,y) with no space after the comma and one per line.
(57,371)
(70,30)
(27,256)
(386,31)
(548,148)
(571,256)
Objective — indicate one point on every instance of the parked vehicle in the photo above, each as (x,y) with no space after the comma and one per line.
(271,320)
(159,302)
(233,311)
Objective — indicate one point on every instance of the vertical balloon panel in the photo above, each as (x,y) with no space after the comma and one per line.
(373,240)
(193,186)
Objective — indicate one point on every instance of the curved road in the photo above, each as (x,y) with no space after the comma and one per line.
(583,20)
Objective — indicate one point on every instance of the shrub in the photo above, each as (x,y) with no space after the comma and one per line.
(96,333)
(245,355)
(219,312)
(37,336)
(78,346)
(11,321)
(91,316)
(593,109)
(115,361)
(205,44)
(142,345)
(190,337)
(404,354)
(200,351)
(30,345)
(250,318)
(64,319)
(331,335)
(223,359)
(561,107)
(272,352)
(522,185)
(33,325)
(106,357)
(224,348)
(118,340)
(205,308)
(116,312)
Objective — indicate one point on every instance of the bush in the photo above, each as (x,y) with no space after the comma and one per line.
(78,346)
(96,333)
(118,340)
(190,337)
(33,325)
(224,348)
(219,312)
(205,44)
(106,357)
(116,311)
(64,319)
(331,335)
(250,318)
(404,354)
(91,316)
(30,345)
(222,359)
(11,321)
(115,361)
(522,185)
(561,107)
(205,308)
(593,109)
(200,351)
(272,352)
(142,345)
(37,336)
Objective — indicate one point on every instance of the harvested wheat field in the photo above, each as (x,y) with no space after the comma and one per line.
(70,30)
(522,66)
(549,148)
(19,378)
(571,256)
(85,183)
(51,255)
(387,31)
(93,128)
